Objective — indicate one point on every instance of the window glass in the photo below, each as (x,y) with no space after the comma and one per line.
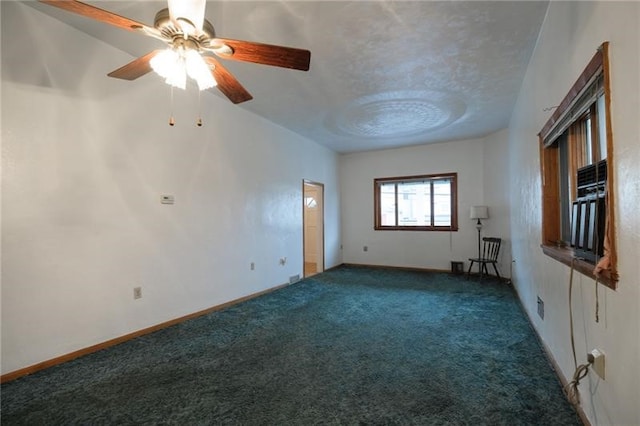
(602,127)
(388,204)
(414,204)
(588,141)
(442,202)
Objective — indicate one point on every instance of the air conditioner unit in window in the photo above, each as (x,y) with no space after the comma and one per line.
(589,212)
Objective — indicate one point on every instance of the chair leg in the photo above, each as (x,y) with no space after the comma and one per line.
(469,271)
(497,273)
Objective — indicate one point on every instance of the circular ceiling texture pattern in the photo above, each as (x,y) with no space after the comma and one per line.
(396,114)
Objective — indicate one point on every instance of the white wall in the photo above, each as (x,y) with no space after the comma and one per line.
(85,159)
(570,35)
(433,250)
(496,195)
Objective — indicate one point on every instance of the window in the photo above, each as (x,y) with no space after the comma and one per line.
(416,203)
(577,187)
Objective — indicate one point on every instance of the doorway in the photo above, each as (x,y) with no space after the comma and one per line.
(313,227)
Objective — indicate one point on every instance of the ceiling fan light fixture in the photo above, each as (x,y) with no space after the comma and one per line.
(198,70)
(169,65)
(174,65)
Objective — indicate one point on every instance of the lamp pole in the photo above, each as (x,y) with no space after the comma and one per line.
(479,228)
(478,213)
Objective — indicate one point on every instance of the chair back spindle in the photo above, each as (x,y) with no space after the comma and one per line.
(491,248)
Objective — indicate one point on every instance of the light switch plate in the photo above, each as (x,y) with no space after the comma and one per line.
(167,199)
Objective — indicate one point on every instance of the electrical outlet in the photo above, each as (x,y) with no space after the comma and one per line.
(137,292)
(283,260)
(540,308)
(365,248)
(596,358)
(253,266)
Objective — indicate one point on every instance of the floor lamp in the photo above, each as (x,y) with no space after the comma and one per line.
(479,212)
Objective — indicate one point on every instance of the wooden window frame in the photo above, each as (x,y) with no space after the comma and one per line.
(549,170)
(407,179)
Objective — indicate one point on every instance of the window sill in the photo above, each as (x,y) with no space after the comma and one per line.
(566,255)
(416,228)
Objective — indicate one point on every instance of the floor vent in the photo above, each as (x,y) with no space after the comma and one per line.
(540,308)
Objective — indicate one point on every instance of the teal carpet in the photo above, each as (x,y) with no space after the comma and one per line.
(352,346)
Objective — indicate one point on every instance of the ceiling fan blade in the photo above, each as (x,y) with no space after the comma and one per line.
(136,68)
(266,54)
(96,13)
(227,83)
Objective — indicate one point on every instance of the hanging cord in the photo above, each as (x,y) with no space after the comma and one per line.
(172,121)
(199,120)
(581,371)
(597,302)
(573,343)
(572,387)
(597,237)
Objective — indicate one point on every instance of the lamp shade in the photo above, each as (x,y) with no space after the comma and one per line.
(479,212)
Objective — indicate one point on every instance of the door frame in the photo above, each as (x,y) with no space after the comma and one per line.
(320,217)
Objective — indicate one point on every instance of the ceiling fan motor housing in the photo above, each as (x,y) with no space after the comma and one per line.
(170,30)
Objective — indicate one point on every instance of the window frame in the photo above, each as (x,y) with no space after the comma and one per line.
(550,172)
(378,182)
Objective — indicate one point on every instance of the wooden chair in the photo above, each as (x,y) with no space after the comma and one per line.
(490,251)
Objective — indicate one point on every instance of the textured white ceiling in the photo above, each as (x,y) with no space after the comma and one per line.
(383,73)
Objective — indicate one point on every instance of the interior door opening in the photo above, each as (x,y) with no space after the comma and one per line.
(313,227)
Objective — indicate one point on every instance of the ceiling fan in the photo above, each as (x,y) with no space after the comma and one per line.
(192,47)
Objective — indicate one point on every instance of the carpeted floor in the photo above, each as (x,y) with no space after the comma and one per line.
(351,346)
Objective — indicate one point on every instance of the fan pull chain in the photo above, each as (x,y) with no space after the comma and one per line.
(172,121)
(199,121)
